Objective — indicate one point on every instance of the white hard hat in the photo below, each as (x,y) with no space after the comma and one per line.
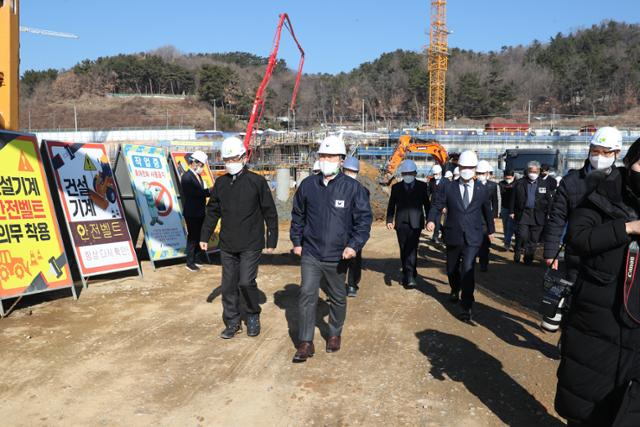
(468,158)
(332,145)
(436,169)
(448,174)
(608,137)
(199,156)
(232,147)
(483,167)
(316,165)
(408,166)
(456,171)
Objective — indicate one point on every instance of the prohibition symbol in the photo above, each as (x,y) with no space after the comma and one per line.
(163,199)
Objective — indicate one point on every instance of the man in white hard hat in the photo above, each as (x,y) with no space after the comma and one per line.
(243,202)
(604,148)
(194,193)
(406,212)
(530,206)
(330,222)
(434,185)
(448,175)
(468,205)
(483,172)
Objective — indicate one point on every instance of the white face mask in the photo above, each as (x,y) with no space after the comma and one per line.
(533,176)
(482,178)
(601,162)
(351,174)
(467,174)
(329,168)
(199,170)
(408,178)
(234,168)
(509,180)
(437,177)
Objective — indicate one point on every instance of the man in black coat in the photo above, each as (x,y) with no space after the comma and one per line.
(434,185)
(243,202)
(603,151)
(529,207)
(194,200)
(506,192)
(468,207)
(545,175)
(483,172)
(406,211)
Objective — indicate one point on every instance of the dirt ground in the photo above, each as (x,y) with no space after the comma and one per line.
(136,351)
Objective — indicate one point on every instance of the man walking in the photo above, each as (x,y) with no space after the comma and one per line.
(330,222)
(529,207)
(194,200)
(406,211)
(351,167)
(483,172)
(468,204)
(243,202)
(434,185)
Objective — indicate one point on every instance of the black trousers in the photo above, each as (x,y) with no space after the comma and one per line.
(194,226)
(355,270)
(483,252)
(527,238)
(239,272)
(408,239)
(461,261)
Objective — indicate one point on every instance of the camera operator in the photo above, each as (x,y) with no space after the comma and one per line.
(598,377)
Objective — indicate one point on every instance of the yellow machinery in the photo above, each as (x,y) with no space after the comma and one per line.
(9,64)
(407,145)
(438,59)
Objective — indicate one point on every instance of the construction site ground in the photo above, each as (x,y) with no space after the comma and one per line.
(146,351)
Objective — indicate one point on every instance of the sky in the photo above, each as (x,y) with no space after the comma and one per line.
(336,35)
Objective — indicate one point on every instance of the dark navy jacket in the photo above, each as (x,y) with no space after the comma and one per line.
(194,195)
(463,226)
(326,220)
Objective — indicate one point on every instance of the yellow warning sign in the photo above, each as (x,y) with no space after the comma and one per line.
(88,164)
(32,257)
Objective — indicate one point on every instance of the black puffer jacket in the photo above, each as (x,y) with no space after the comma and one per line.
(599,355)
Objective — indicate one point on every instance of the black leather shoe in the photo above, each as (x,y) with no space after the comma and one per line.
(455,296)
(333,344)
(516,256)
(352,291)
(305,350)
(231,330)
(528,259)
(253,325)
(465,315)
(411,284)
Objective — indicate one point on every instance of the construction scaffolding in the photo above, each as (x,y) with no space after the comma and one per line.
(438,61)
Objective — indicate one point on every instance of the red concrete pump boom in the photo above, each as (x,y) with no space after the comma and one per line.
(258,103)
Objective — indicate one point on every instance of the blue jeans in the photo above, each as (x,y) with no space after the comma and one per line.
(508,226)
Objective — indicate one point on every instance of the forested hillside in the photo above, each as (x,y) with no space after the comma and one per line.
(591,71)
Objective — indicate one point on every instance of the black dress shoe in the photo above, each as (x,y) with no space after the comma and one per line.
(411,284)
(231,330)
(465,315)
(455,296)
(253,325)
(516,257)
(352,291)
(305,350)
(333,344)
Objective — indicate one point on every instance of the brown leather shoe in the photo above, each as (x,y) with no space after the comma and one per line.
(305,351)
(333,344)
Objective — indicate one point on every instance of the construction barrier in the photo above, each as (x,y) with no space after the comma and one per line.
(91,204)
(32,257)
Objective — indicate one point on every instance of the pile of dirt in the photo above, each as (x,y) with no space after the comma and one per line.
(379,195)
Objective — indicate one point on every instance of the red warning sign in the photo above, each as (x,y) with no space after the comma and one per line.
(23,163)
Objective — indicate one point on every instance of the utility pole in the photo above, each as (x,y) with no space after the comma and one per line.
(529,113)
(29,120)
(215,116)
(167,118)
(362,114)
(75,116)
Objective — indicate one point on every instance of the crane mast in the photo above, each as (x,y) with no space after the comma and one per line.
(9,64)
(438,60)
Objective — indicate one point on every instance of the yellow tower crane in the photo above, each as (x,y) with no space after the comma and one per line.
(9,64)
(438,60)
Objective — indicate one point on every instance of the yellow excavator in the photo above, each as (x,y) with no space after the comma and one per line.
(9,64)
(406,145)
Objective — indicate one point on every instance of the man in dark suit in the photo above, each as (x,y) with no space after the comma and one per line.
(434,185)
(468,204)
(408,204)
(483,172)
(530,206)
(194,193)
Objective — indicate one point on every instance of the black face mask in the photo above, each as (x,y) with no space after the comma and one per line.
(634,181)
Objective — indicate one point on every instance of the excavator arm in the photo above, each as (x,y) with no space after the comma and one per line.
(406,145)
